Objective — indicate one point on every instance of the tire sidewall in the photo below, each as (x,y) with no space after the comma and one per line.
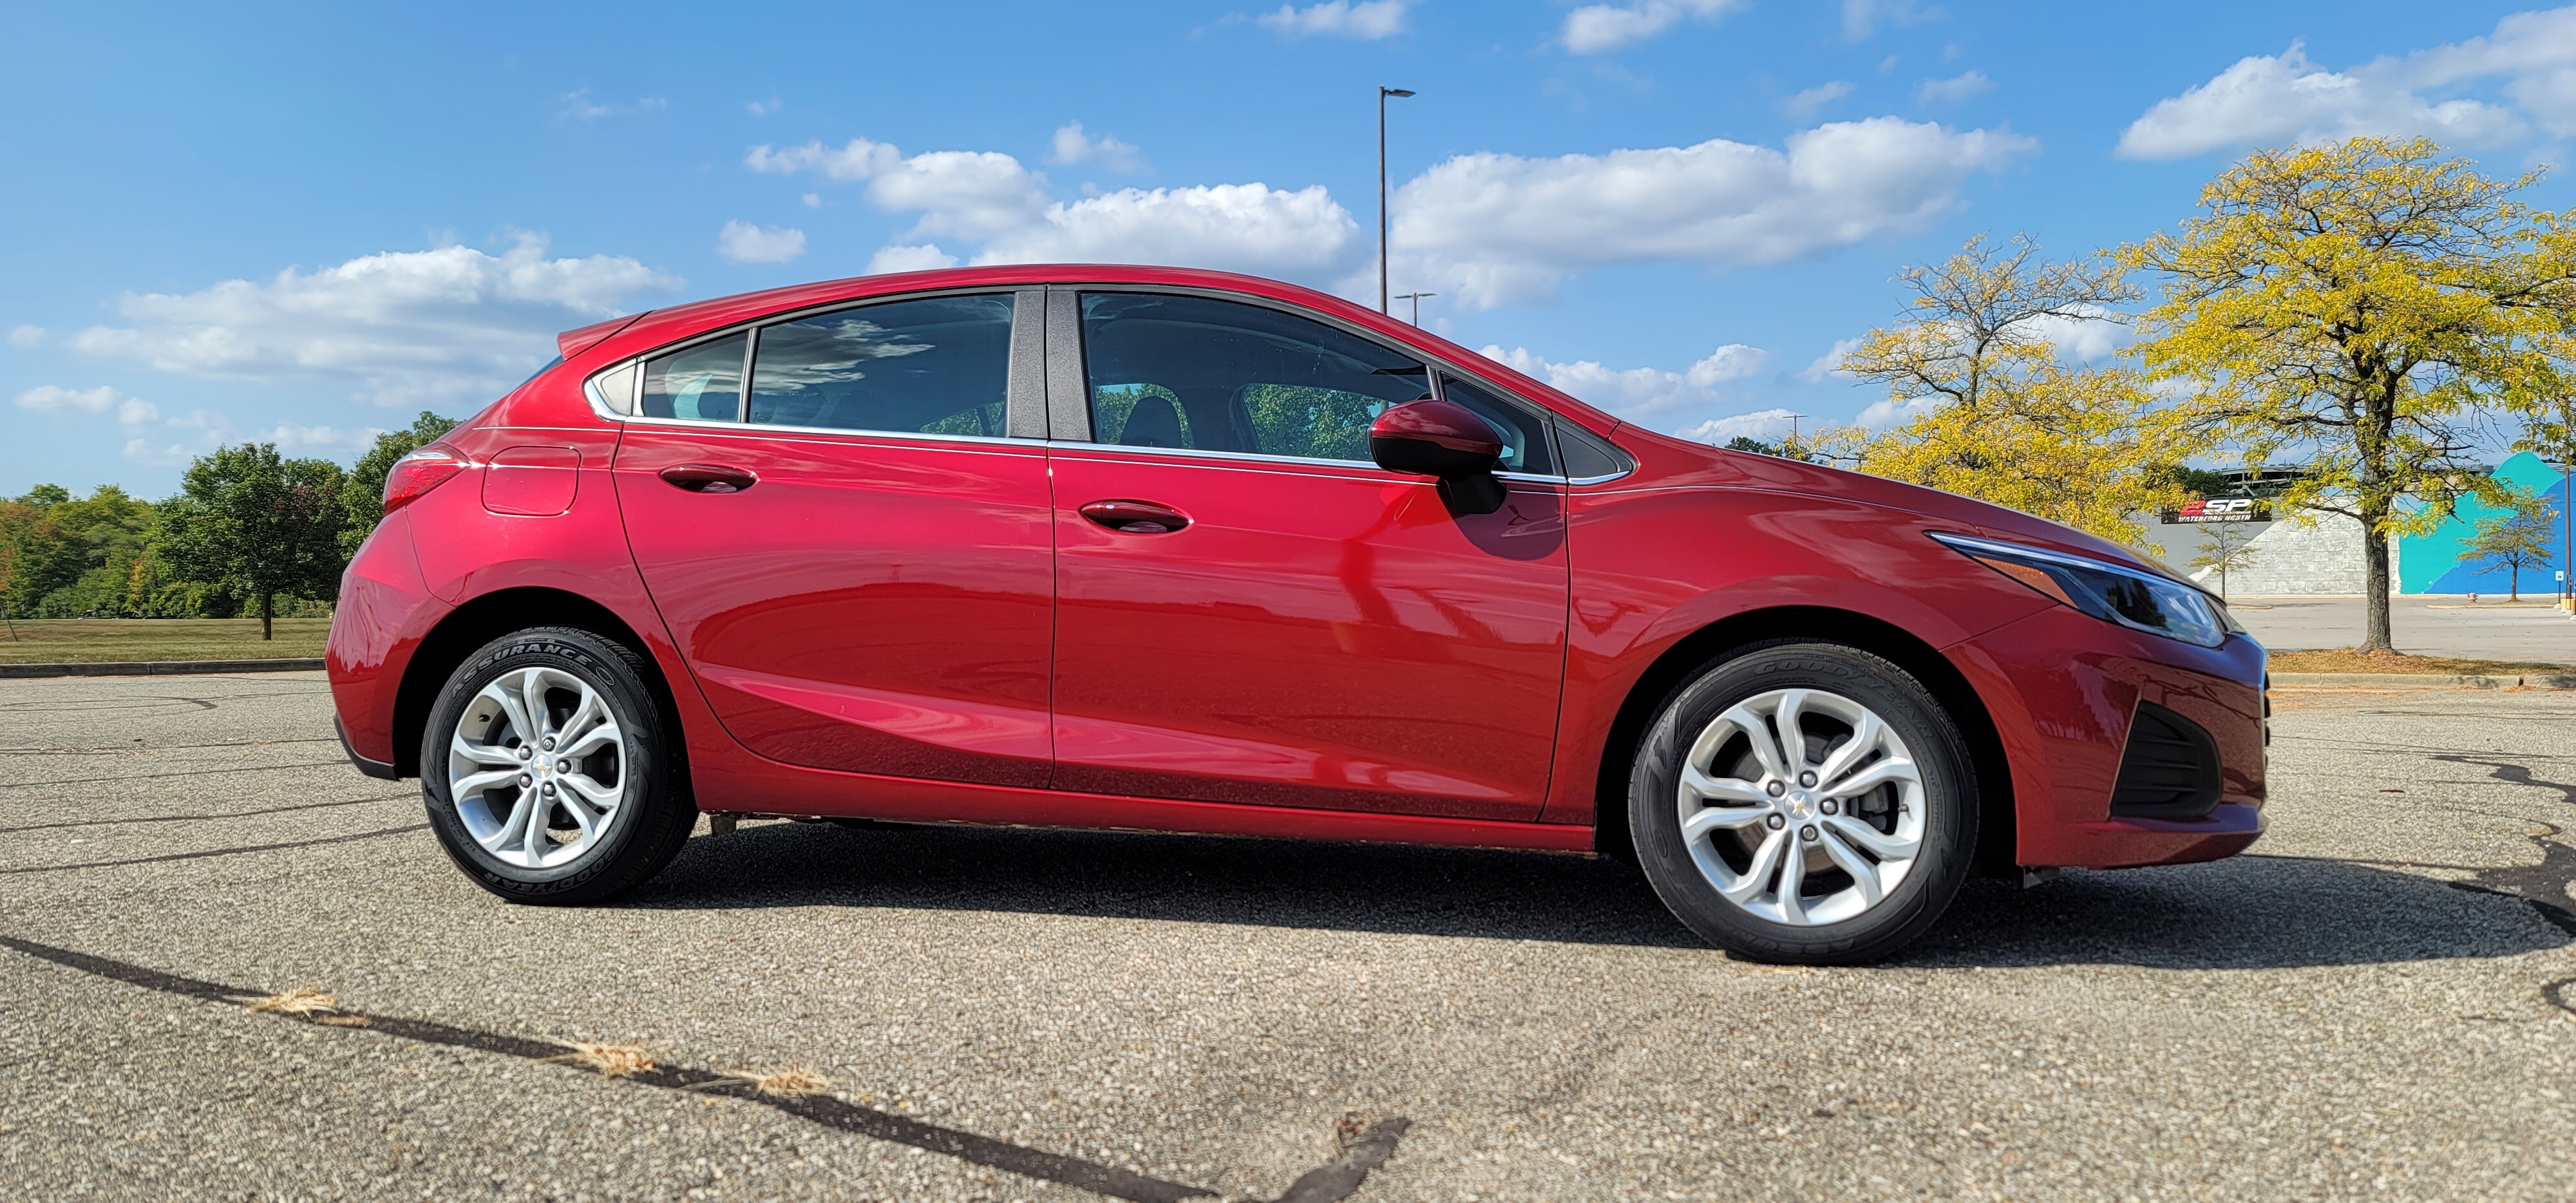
(1909,710)
(642,777)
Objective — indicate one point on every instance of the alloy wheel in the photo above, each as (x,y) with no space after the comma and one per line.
(1801,807)
(536,767)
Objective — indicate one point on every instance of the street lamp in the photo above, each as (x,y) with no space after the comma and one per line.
(1382,94)
(1416,298)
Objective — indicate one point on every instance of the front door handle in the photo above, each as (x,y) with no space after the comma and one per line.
(708,478)
(1136,517)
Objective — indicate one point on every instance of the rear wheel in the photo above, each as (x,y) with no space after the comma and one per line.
(546,770)
(1807,803)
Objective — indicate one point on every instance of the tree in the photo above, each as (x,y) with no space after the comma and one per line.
(1996,415)
(2365,304)
(263,525)
(1784,449)
(2522,536)
(363,495)
(2231,546)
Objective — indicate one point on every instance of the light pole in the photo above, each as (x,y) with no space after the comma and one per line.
(1382,94)
(1416,298)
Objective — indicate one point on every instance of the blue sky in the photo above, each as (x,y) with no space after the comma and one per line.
(305,223)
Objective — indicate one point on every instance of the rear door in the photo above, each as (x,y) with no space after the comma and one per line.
(854,552)
(1315,632)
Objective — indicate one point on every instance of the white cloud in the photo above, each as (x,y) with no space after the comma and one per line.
(1957,87)
(1367,20)
(55,399)
(1861,17)
(1071,145)
(813,200)
(966,193)
(1494,229)
(1768,425)
(1301,235)
(763,108)
(743,242)
(2083,340)
(135,411)
(1601,28)
(1889,411)
(1639,392)
(580,106)
(1831,362)
(909,259)
(404,327)
(26,336)
(1804,104)
(2272,99)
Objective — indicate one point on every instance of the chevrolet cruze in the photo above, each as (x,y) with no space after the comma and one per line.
(1183,551)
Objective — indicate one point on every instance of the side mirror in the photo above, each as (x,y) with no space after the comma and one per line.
(1446,440)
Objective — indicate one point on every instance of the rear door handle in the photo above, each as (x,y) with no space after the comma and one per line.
(1136,517)
(708,478)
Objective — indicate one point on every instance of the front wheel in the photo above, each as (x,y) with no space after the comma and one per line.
(547,771)
(1807,803)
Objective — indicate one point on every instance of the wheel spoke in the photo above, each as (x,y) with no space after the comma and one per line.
(533,841)
(1722,818)
(604,797)
(603,732)
(1723,789)
(461,788)
(492,754)
(1863,874)
(500,837)
(1793,739)
(1863,741)
(1878,843)
(1793,877)
(582,817)
(1894,768)
(532,695)
(510,707)
(1758,733)
(1757,876)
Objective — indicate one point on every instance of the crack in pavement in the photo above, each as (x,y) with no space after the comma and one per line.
(1329,1183)
(147,860)
(256,768)
(235,814)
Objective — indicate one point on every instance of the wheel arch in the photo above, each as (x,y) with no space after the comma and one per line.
(490,616)
(1783,624)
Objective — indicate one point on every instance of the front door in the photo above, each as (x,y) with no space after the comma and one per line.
(854,554)
(1316,632)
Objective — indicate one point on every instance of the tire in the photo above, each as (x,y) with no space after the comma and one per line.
(1859,894)
(620,808)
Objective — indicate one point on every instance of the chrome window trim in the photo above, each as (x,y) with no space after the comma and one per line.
(1596,480)
(760,429)
(1305,461)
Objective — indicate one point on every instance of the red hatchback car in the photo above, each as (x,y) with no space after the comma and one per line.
(1186,551)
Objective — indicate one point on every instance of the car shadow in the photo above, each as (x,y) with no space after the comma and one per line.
(2251,912)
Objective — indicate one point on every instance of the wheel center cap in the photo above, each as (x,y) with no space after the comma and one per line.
(1800,802)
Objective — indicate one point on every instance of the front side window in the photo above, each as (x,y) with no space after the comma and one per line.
(1201,374)
(702,383)
(1525,446)
(936,365)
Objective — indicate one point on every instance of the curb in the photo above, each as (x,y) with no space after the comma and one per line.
(158,668)
(2566,680)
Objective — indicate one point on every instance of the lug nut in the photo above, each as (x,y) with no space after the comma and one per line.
(549,791)
(1806,778)
(563,766)
(1776,822)
(523,751)
(526,780)
(550,743)
(1805,833)
(1831,807)
(1776,789)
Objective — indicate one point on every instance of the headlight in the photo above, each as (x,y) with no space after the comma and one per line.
(2111,592)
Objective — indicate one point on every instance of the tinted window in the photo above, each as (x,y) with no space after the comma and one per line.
(703,382)
(1209,375)
(939,365)
(1524,433)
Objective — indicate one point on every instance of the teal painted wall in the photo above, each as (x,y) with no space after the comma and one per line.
(2423,560)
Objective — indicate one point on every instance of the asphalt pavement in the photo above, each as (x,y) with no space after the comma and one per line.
(2487,629)
(2374,1005)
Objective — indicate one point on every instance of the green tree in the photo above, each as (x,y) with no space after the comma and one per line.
(2525,534)
(2364,304)
(2231,546)
(260,524)
(363,495)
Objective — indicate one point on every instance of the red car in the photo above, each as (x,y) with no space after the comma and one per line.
(1186,551)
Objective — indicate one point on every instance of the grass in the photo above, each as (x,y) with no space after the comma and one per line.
(302,1000)
(94,640)
(612,1060)
(2345,660)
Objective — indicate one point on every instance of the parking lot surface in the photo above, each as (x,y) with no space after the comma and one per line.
(2374,1005)
(2488,629)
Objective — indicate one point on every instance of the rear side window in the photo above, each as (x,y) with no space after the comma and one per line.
(936,365)
(702,383)
(1209,375)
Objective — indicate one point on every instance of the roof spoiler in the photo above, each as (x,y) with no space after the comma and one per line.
(574,342)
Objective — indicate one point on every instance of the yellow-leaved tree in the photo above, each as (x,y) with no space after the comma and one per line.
(2360,307)
(1996,415)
